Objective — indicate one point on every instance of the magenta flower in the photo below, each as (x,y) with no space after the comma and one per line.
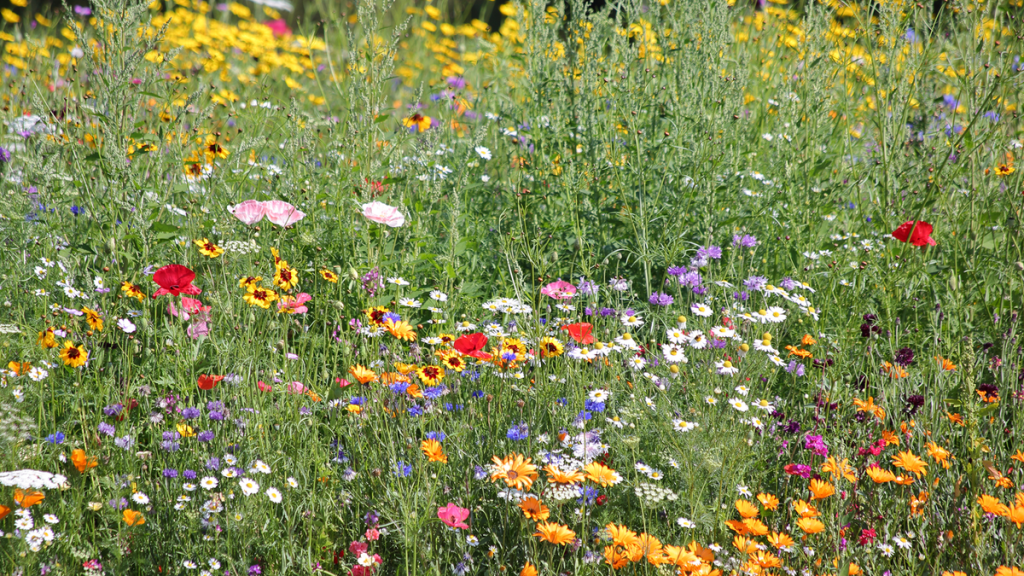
(559,290)
(454,516)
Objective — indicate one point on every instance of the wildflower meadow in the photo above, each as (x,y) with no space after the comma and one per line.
(422,287)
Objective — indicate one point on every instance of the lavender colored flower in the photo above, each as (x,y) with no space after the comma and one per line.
(605,312)
(213,463)
(660,299)
(692,278)
(113,409)
(788,283)
(618,284)
(586,287)
(372,282)
(5,155)
(745,241)
(170,473)
(168,446)
(190,413)
(676,271)
(215,415)
(755,283)
(205,436)
(479,473)
(189,474)
(105,428)
(83,11)
(795,367)
(709,253)
(742,295)
(436,435)
(124,442)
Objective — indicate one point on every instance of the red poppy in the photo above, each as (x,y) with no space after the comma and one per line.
(175,279)
(917,232)
(472,345)
(209,382)
(580,332)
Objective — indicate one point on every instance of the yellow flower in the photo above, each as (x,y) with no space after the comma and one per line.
(248,281)
(93,318)
(329,276)
(74,356)
(261,297)
(133,291)
(1004,170)
(285,277)
(46,339)
(207,248)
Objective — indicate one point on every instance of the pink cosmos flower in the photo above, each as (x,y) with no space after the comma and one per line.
(383,214)
(250,211)
(559,290)
(296,388)
(294,305)
(454,516)
(282,213)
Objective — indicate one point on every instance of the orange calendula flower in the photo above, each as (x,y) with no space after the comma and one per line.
(528,570)
(945,364)
(433,451)
(1008,571)
(533,508)
(133,518)
(362,374)
(554,533)
(744,545)
(955,418)
(600,474)
(779,541)
(911,463)
(808,340)
(4,511)
(558,476)
(746,509)
(880,475)
(401,330)
(939,454)
(839,469)
(207,248)
(616,557)
(1019,456)
(810,525)
(516,470)
(764,559)
(869,407)
(890,438)
(799,353)
(738,527)
(621,535)
(769,501)
(755,526)
(821,490)
(19,368)
(28,499)
(81,461)
(1016,512)
(894,370)
(805,510)
(917,503)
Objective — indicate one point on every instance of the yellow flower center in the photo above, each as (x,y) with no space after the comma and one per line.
(726,364)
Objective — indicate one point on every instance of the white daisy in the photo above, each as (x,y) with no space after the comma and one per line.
(702,310)
(738,404)
(274,494)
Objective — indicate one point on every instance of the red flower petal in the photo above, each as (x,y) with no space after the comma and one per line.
(580,332)
(175,279)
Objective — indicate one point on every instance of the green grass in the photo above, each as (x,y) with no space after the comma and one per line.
(619,145)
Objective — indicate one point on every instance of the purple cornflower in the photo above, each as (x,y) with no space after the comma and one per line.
(660,299)
(709,252)
(105,428)
(205,436)
(113,409)
(586,287)
(520,431)
(755,283)
(745,241)
(170,473)
(788,283)
(741,296)
(676,271)
(190,413)
(372,282)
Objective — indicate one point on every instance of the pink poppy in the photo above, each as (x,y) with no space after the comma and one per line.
(383,214)
(250,211)
(294,305)
(198,329)
(559,290)
(282,213)
(454,516)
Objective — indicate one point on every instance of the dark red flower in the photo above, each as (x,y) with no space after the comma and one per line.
(472,345)
(175,279)
(917,233)
(580,332)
